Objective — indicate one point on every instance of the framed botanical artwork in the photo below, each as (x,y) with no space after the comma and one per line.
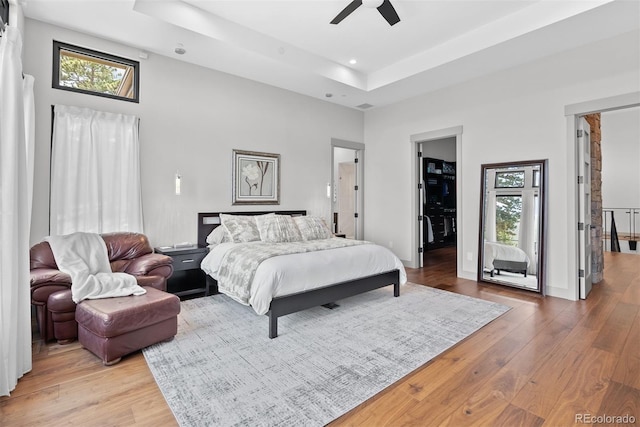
(256,178)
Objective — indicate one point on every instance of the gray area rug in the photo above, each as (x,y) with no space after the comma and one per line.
(223,370)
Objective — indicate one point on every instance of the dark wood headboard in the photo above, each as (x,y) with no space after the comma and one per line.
(208,221)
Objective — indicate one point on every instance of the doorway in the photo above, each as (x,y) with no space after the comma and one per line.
(578,268)
(346,200)
(438,198)
(615,180)
(451,140)
(347,188)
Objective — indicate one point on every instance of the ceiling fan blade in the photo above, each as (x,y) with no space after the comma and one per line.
(388,12)
(347,11)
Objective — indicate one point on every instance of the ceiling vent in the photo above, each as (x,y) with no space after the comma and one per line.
(364,106)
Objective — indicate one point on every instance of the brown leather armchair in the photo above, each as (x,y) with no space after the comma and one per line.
(51,289)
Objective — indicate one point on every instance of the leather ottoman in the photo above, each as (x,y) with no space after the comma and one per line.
(113,327)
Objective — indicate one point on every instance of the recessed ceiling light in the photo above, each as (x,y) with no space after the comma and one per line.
(180,50)
(353,61)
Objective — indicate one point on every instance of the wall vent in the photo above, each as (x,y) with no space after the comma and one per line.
(364,106)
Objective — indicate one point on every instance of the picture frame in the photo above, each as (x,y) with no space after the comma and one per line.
(256,178)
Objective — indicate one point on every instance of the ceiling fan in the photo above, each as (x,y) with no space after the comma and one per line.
(384,7)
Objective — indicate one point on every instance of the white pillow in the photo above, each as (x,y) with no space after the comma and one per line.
(312,227)
(218,235)
(277,229)
(241,228)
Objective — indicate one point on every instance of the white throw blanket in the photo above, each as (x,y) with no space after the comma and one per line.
(83,256)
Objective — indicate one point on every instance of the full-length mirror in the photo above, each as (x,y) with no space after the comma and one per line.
(512,224)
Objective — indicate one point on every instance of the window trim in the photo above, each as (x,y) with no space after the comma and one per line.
(55,81)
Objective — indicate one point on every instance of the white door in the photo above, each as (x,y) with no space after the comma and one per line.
(584,207)
(421,201)
(347,199)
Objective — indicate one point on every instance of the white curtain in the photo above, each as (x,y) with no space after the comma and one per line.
(527,239)
(490,207)
(15,202)
(29,135)
(95,172)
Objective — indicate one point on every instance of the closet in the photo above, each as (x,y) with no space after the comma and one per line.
(439,203)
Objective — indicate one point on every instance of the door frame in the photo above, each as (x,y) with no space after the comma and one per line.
(347,180)
(358,147)
(415,141)
(572,113)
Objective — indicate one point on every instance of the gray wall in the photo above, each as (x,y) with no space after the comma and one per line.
(515,114)
(191,120)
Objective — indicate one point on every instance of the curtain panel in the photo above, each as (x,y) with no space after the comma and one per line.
(95,172)
(528,230)
(16,178)
(489,208)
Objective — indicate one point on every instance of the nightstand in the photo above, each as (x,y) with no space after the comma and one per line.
(188,280)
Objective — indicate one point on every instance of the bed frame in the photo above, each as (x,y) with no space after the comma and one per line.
(287,304)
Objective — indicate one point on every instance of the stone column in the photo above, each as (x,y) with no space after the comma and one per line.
(597,256)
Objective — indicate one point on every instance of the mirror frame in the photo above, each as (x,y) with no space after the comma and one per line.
(542,229)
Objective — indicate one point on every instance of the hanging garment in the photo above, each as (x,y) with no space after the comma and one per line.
(447,225)
(429,230)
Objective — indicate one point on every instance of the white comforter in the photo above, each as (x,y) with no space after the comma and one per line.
(287,274)
(494,250)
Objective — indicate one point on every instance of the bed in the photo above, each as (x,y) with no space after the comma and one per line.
(500,257)
(288,282)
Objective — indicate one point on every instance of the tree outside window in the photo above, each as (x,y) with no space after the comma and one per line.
(508,207)
(508,212)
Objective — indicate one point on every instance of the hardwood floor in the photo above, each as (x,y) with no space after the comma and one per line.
(544,363)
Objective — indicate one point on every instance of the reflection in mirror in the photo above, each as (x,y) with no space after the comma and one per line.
(512,218)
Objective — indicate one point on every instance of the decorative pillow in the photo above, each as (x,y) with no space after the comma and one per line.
(241,228)
(312,227)
(218,235)
(278,228)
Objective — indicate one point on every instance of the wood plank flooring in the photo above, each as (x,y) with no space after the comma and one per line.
(543,363)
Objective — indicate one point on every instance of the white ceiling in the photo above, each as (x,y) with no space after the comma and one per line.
(290,44)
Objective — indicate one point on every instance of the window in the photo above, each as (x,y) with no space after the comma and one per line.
(508,214)
(87,71)
(510,179)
